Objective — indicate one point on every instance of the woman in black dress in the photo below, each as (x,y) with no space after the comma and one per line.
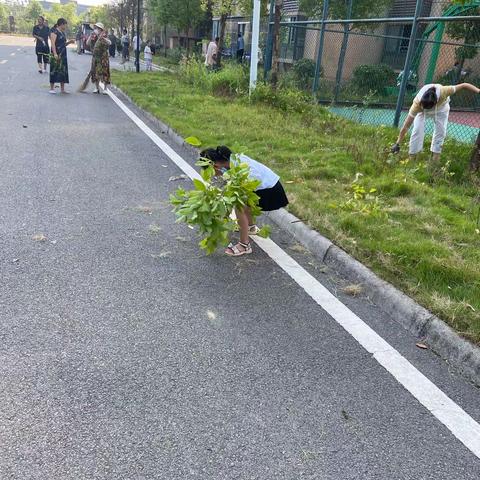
(59,63)
(41,33)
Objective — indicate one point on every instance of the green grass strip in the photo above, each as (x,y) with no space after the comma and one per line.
(415,225)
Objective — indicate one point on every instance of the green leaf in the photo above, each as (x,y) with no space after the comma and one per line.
(194,141)
(265,231)
(199,185)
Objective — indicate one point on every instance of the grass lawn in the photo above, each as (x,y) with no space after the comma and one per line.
(418,229)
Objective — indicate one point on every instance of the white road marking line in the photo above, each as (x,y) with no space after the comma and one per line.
(2,62)
(462,425)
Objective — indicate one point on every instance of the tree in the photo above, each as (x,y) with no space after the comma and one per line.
(468,32)
(339,9)
(276,42)
(184,15)
(100,13)
(475,158)
(67,11)
(3,14)
(33,11)
(162,11)
(225,8)
(222,9)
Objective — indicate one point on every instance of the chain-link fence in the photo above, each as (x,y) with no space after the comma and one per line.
(357,66)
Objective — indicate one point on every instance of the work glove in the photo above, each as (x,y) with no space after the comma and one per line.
(395,149)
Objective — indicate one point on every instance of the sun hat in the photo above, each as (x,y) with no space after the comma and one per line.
(99,25)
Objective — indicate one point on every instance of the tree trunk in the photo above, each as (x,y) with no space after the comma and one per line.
(133,21)
(223,25)
(276,42)
(165,40)
(343,52)
(475,160)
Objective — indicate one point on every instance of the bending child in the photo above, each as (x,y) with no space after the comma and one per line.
(433,100)
(271,193)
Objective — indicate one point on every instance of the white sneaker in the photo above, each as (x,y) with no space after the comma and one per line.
(52,91)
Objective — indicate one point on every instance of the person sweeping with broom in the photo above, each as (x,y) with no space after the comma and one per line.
(100,68)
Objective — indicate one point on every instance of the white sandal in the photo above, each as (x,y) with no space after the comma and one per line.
(236,252)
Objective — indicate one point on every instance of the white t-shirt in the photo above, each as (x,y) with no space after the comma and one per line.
(443,99)
(134,42)
(147,53)
(211,51)
(259,171)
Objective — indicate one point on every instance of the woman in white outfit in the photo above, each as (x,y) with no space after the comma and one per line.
(433,101)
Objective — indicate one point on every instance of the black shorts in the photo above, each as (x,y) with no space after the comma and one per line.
(272,198)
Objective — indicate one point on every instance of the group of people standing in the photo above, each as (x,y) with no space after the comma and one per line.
(51,48)
(54,54)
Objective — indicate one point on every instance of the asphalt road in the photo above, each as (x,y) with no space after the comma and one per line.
(125,353)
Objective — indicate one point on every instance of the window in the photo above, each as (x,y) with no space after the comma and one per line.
(242,26)
(216,28)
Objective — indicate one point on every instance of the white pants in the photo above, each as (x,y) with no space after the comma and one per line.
(440,118)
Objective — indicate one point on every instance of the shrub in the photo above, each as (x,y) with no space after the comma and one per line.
(175,55)
(287,100)
(232,79)
(367,78)
(304,71)
(194,72)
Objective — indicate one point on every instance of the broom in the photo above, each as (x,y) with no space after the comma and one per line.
(84,85)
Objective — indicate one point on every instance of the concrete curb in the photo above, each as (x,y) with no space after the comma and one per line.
(461,354)
(445,342)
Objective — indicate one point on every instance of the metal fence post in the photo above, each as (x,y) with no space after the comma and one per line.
(254,50)
(269,51)
(435,53)
(408,63)
(343,52)
(318,66)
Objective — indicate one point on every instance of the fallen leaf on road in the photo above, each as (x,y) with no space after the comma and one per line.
(141,209)
(160,255)
(39,237)
(15,260)
(353,290)
(345,415)
(154,229)
(298,248)
(178,177)
(422,346)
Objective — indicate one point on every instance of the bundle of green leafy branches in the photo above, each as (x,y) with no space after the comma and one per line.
(210,204)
